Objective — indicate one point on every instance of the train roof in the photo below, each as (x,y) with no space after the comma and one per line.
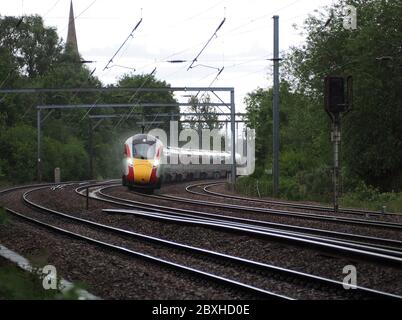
(196,151)
(144,138)
(141,138)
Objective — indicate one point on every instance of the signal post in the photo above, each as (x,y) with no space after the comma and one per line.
(338,100)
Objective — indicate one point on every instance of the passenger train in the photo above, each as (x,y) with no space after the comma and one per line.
(148,163)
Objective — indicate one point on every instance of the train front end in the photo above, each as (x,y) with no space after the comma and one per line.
(142,162)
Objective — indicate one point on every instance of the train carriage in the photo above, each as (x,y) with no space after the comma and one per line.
(147,163)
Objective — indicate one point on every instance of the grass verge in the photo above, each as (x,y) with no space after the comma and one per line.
(4,218)
(360,197)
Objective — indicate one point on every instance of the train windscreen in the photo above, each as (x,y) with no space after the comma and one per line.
(144,150)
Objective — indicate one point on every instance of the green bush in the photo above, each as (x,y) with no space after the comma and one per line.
(316,183)
(292,162)
(246,186)
(290,189)
(1,170)
(4,219)
(371,198)
(263,187)
(74,164)
(19,284)
(18,150)
(316,186)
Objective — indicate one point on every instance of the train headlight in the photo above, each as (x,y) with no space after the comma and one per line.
(157,163)
(129,161)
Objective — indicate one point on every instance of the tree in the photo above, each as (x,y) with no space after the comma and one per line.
(31,55)
(259,115)
(302,133)
(18,149)
(372,54)
(34,48)
(138,97)
(206,114)
(108,138)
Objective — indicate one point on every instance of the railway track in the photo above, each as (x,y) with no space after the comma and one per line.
(256,269)
(253,269)
(249,290)
(206,188)
(256,224)
(381,251)
(282,213)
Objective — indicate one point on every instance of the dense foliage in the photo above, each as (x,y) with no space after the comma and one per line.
(372,54)
(305,148)
(32,55)
(371,132)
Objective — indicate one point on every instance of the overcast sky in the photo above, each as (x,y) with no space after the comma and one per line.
(178,30)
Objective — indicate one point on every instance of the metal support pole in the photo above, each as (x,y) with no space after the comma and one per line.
(275,164)
(336,139)
(91,151)
(233,142)
(199,130)
(39,164)
(226,137)
(237,131)
(87,198)
(245,145)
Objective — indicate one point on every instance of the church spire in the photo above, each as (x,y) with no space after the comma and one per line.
(71,34)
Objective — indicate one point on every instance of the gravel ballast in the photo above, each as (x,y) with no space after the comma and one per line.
(297,258)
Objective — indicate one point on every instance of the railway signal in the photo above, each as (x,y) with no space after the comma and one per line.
(338,100)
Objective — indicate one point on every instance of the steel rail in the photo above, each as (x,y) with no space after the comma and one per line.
(250,263)
(228,282)
(302,215)
(313,207)
(380,224)
(374,254)
(387,244)
(366,252)
(391,250)
(15,188)
(383,243)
